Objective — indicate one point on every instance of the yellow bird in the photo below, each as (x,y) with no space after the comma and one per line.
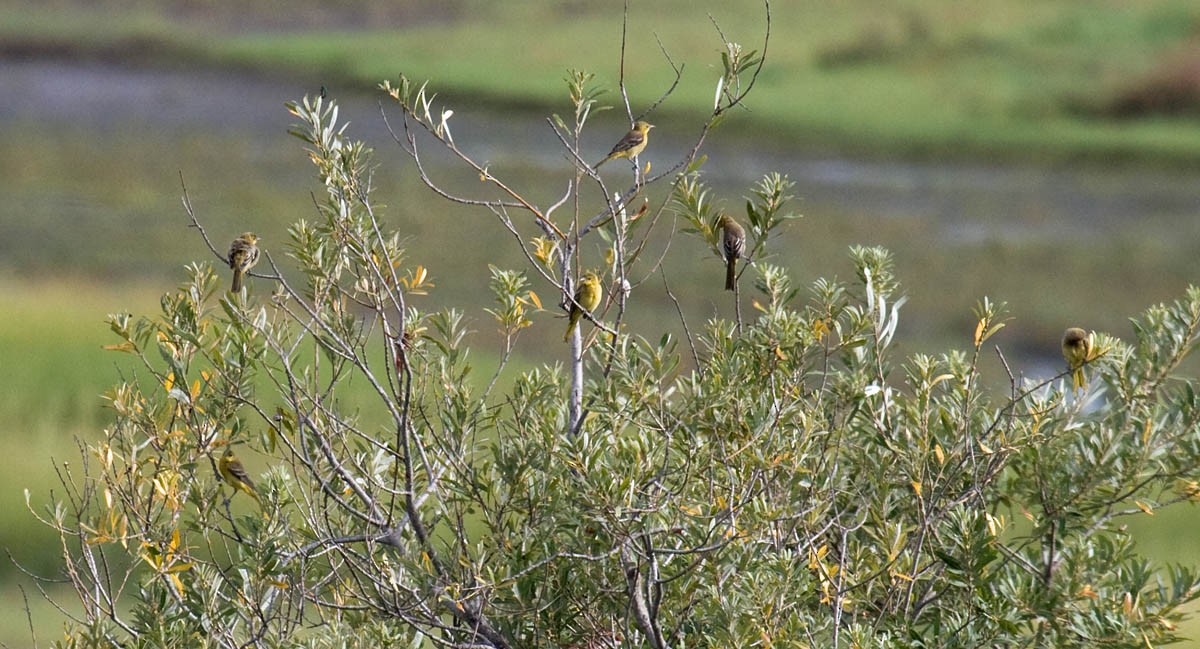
(243,254)
(733,244)
(587,295)
(1077,350)
(630,145)
(235,474)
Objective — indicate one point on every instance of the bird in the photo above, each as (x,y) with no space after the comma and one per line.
(630,145)
(1077,350)
(243,254)
(733,244)
(235,474)
(587,295)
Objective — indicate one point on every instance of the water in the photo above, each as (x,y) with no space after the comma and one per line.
(957,194)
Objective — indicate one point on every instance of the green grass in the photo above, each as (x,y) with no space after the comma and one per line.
(50,401)
(1003,78)
(46,620)
(50,396)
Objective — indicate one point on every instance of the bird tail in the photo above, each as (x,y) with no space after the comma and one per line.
(597,165)
(730,274)
(1078,380)
(237,280)
(570,328)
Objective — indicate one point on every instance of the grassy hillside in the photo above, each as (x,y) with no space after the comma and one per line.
(1062,80)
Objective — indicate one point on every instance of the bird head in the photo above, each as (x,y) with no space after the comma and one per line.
(642,127)
(249,237)
(1075,337)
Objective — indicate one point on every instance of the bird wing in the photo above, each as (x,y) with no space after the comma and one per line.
(632,139)
(238,471)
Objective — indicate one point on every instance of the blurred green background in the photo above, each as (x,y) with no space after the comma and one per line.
(1040,153)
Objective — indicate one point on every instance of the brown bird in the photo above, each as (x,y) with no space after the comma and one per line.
(243,254)
(1077,350)
(630,145)
(733,244)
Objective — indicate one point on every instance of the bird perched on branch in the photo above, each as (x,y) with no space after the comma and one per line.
(733,244)
(630,145)
(587,295)
(243,254)
(235,474)
(1077,349)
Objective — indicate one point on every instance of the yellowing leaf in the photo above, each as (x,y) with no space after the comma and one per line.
(916,487)
(939,453)
(1187,488)
(1144,507)
(939,378)
(170,382)
(995,524)
(533,297)
(1094,352)
(126,346)
(982,335)
(820,329)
